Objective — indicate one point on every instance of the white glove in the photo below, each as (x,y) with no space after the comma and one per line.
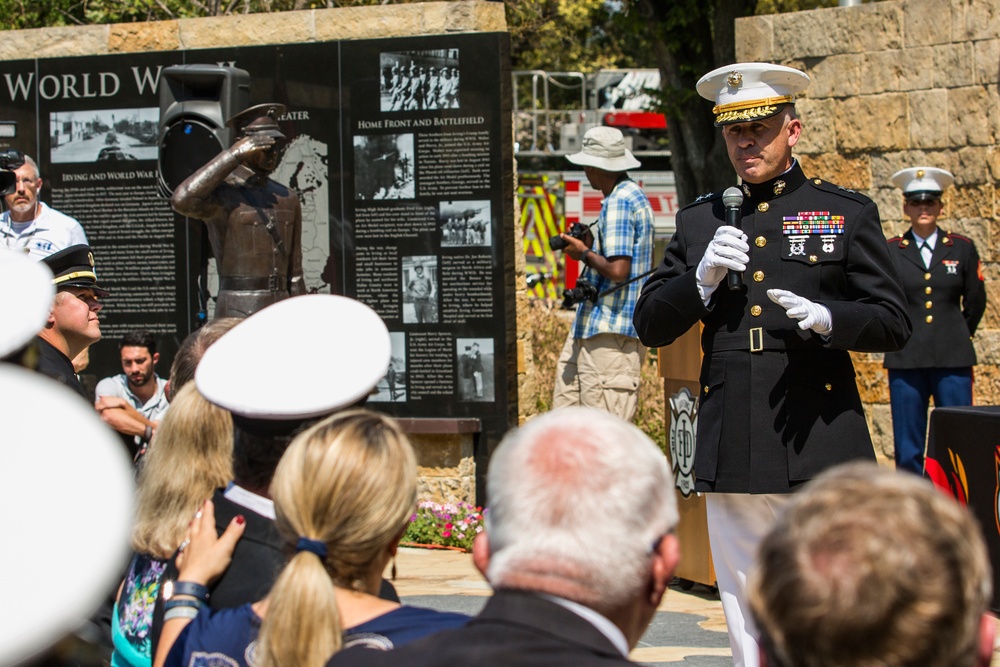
(811,315)
(728,250)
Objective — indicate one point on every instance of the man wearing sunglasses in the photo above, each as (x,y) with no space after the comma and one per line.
(72,325)
(946,298)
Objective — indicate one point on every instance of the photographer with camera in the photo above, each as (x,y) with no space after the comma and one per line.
(29,225)
(599,365)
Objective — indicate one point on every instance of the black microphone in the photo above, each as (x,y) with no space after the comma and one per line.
(733,199)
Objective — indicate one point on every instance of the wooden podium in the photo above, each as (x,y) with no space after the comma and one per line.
(680,367)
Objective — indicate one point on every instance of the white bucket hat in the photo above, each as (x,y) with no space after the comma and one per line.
(604,148)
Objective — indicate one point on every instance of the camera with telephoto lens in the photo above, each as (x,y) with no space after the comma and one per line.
(583,291)
(9,161)
(576,230)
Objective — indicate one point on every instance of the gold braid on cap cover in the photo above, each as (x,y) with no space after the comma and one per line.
(749,109)
(73,276)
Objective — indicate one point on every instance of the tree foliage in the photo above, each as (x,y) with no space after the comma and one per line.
(684,39)
(570,35)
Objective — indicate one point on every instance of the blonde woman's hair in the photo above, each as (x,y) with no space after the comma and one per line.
(349,482)
(191,456)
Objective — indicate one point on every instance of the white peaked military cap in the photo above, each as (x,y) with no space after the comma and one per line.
(302,357)
(921,183)
(32,292)
(604,148)
(744,92)
(66,508)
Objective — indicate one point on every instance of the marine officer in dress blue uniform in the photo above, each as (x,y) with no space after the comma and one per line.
(945,298)
(779,402)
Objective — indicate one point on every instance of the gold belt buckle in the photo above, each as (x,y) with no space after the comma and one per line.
(757,339)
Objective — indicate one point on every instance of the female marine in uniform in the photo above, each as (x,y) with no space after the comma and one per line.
(946,299)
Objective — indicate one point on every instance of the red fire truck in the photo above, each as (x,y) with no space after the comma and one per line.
(552,112)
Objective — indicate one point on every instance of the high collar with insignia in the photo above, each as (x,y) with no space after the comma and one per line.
(776,187)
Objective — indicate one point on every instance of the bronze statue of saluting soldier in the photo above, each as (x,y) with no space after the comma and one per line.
(254,223)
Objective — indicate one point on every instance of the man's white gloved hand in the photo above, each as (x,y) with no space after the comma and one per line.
(811,315)
(728,250)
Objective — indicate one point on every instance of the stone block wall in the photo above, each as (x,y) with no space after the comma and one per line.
(308,25)
(896,84)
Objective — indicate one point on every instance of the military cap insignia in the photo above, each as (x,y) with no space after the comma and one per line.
(90,258)
(920,173)
(735,78)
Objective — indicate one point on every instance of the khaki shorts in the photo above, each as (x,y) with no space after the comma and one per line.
(600,372)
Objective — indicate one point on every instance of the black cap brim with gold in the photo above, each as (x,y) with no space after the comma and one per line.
(745,92)
(74,267)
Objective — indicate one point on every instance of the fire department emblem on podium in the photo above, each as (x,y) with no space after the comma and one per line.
(683,427)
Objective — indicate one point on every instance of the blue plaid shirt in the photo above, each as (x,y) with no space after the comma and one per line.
(624,228)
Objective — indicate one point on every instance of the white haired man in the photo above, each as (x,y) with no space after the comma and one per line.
(869,567)
(578,565)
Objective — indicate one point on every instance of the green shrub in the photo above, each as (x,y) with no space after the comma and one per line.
(549,326)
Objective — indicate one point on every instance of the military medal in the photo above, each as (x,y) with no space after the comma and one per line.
(797,245)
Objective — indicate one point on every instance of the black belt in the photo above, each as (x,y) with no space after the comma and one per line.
(252,283)
(759,339)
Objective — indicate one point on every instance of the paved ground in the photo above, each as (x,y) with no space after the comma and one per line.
(688,629)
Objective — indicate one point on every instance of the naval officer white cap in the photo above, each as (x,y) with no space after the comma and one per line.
(32,299)
(299,358)
(53,440)
(744,92)
(922,183)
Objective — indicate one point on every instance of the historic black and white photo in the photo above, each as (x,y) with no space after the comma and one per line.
(383,166)
(419,80)
(475,369)
(106,136)
(465,223)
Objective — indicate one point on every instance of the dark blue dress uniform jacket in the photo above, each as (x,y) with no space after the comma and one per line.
(945,301)
(778,405)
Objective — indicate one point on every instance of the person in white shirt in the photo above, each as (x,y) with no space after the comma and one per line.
(30,225)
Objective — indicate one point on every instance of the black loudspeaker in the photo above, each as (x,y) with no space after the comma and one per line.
(195,102)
